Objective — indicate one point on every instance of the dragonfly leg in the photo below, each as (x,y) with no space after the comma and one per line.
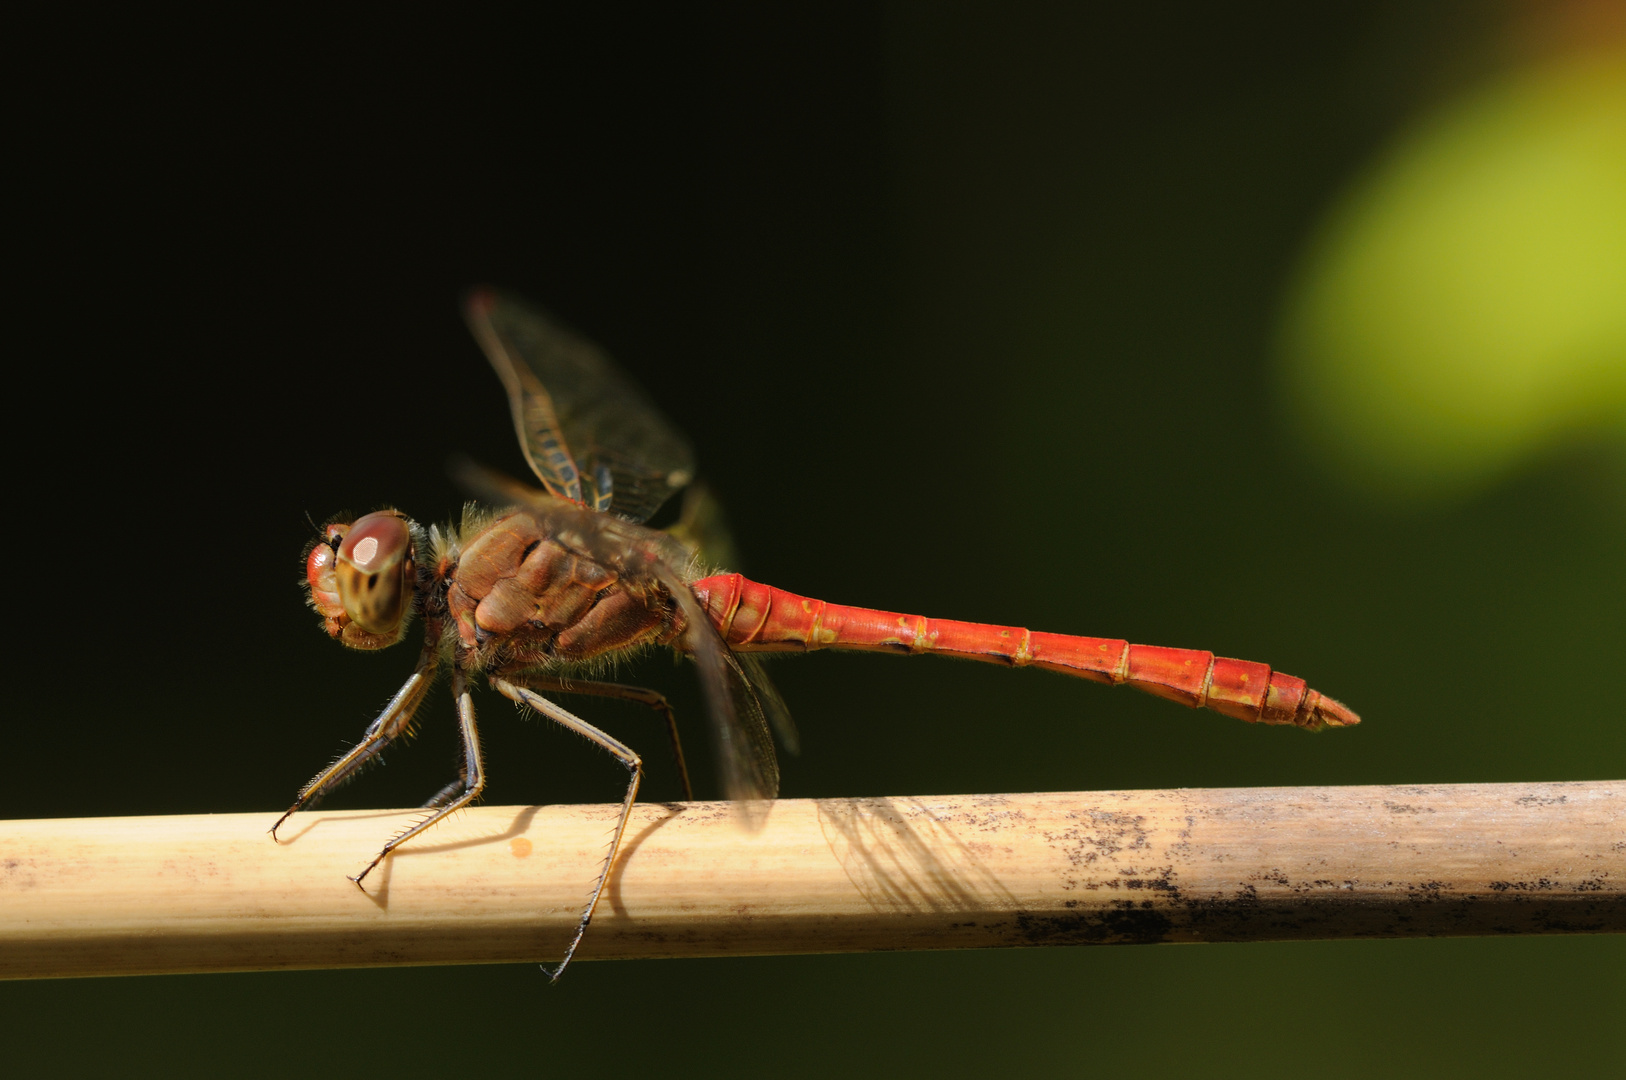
(449,792)
(471,777)
(622,752)
(642,695)
(385,729)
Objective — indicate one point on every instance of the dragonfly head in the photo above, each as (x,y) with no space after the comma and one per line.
(362,578)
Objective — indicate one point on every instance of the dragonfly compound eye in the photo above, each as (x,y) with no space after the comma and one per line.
(375,572)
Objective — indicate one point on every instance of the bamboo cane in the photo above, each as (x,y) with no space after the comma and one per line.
(109,896)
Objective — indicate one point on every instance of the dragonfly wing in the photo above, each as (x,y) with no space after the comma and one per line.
(588,431)
(773,706)
(702,529)
(495,488)
(536,421)
(735,704)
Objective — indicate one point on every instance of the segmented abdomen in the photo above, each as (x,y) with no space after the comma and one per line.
(756,617)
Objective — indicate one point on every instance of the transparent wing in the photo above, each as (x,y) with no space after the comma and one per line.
(588,431)
(492,487)
(734,702)
(773,706)
(703,530)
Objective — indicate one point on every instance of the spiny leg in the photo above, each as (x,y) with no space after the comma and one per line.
(395,719)
(635,772)
(642,695)
(447,793)
(472,775)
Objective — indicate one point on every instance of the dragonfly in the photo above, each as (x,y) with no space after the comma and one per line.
(539,591)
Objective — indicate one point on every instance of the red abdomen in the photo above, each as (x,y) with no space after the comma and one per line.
(756,617)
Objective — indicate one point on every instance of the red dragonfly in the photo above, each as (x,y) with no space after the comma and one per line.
(539,597)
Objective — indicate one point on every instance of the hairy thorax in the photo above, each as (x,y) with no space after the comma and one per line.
(535,589)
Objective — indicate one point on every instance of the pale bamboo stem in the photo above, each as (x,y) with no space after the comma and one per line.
(105,896)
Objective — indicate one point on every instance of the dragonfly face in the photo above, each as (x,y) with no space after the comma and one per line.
(362,577)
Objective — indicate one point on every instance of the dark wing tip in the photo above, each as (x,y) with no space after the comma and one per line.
(479,300)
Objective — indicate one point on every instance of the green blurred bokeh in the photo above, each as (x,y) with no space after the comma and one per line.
(1465,309)
(1181,325)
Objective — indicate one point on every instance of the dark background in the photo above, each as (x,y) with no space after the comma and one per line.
(969,311)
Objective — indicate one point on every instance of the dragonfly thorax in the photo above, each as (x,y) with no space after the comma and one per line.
(536,588)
